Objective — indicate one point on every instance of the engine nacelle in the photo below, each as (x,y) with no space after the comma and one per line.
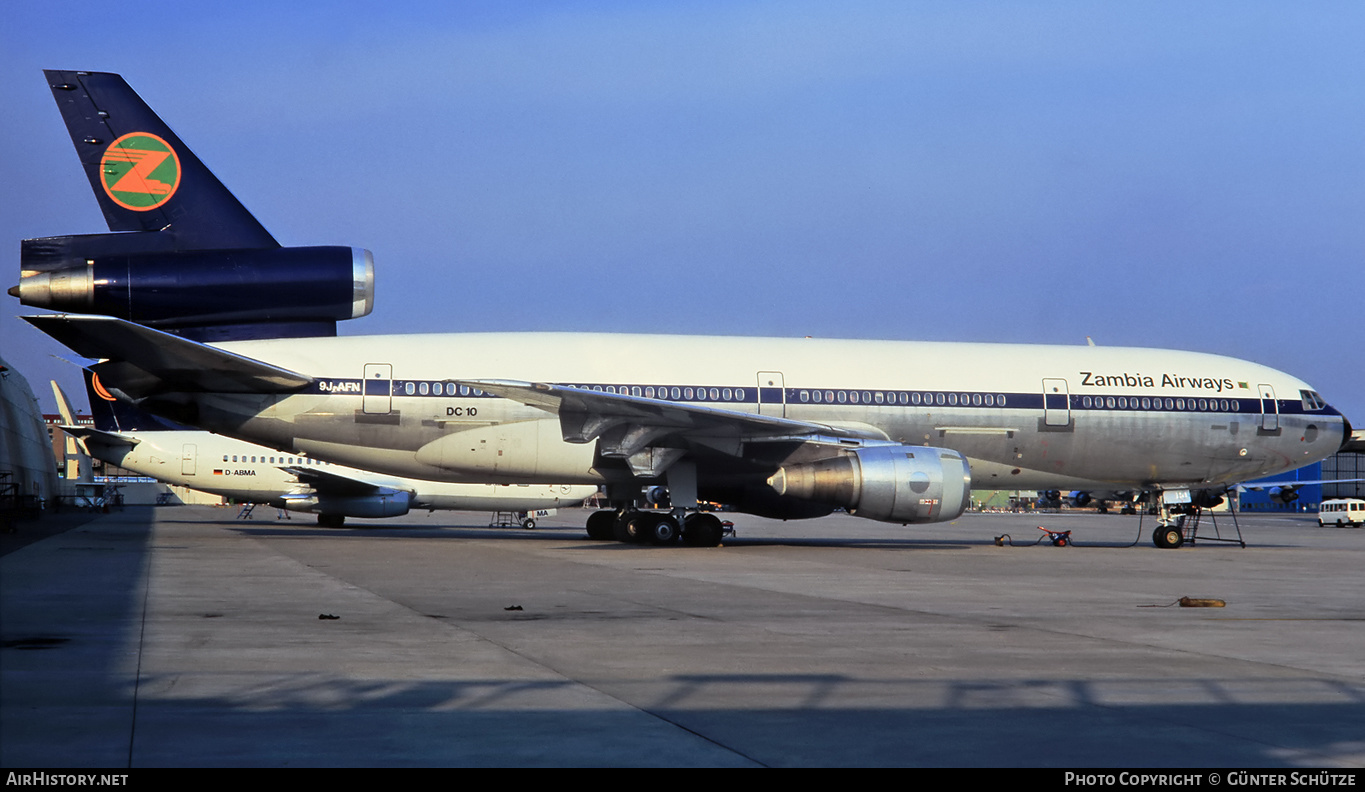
(1207,499)
(1081,499)
(170,289)
(1284,494)
(904,484)
(387,502)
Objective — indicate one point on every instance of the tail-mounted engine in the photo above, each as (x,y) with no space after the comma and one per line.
(904,484)
(176,289)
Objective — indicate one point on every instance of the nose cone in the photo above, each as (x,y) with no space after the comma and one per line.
(1350,439)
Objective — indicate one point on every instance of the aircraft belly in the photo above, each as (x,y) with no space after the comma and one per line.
(497,497)
(1108,449)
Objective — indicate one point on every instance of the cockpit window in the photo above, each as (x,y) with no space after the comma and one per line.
(1311,400)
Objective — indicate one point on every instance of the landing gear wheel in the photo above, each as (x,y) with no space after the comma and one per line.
(662,529)
(630,527)
(1168,537)
(601,526)
(702,530)
(529,525)
(331,520)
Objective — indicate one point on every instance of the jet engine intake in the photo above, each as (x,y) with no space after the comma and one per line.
(904,484)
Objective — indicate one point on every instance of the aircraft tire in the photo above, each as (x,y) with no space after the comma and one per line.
(331,520)
(529,525)
(702,530)
(601,526)
(662,529)
(630,527)
(1168,538)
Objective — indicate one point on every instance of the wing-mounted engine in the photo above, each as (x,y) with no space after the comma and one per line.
(892,483)
(382,502)
(335,496)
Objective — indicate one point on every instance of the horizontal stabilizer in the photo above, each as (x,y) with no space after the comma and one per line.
(175,363)
(99,436)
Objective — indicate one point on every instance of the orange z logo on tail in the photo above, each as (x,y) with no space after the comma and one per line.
(140,171)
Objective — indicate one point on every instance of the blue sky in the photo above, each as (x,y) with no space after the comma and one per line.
(1183,175)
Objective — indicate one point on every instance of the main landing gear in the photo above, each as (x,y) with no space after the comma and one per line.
(699,529)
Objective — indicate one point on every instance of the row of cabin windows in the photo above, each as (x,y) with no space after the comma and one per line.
(1158,403)
(903,397)
(439,389)
(282,460)
(675,392)
(646,391)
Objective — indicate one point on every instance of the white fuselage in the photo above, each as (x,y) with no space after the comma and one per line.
(1026,416)
(248,473)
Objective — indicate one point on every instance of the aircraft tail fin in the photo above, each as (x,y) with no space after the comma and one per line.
(64,404)
(113,416)
(182,253)
(144,177)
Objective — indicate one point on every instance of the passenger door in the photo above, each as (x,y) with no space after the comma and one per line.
(772,394)
(1270,409)
(377,388)
(1056,403)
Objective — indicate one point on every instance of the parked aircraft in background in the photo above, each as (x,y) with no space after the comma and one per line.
(247,473)
(782,427)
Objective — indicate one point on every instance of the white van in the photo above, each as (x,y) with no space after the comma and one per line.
(1342,511)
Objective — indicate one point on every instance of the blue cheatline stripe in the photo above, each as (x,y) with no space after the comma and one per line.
(844,397)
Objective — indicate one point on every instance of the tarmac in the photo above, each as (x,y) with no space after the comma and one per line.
(178,636)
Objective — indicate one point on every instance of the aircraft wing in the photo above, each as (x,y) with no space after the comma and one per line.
(149,359)
(1260,485)
(586,415)
(647,433)
(329,483)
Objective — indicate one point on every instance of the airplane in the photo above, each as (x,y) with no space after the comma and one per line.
(790,428)
(247,473)
(1287,491)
